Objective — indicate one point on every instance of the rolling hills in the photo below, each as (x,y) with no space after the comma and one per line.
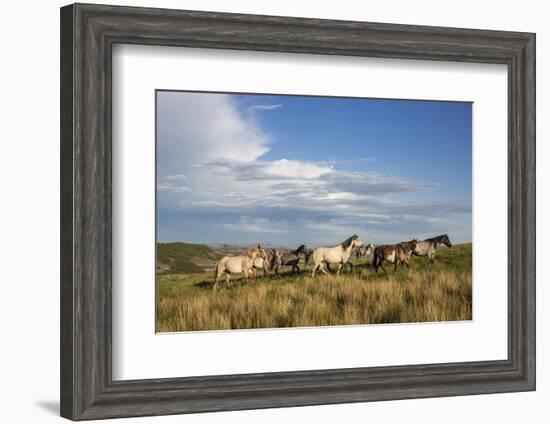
(186,258)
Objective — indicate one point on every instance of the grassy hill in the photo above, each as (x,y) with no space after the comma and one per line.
(185,258)
(425,293)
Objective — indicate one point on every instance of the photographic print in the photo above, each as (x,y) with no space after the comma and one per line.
(277,211)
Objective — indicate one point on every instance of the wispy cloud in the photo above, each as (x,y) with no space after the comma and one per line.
(350,161)
(173,188)
(315,177)
(176,177)
(265,107)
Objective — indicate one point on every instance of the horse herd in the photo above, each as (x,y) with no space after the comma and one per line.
(322,257)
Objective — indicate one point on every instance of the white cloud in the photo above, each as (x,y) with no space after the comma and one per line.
(194,128)
(285,168)
(344,195)
(265,107)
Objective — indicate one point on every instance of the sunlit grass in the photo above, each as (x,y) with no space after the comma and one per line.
(425,293)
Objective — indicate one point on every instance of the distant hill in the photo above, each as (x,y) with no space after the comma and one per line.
(186,258)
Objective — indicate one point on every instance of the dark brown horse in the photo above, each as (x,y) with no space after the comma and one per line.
(292,258)
(393,253)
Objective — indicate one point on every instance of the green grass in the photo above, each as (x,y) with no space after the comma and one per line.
(425,293)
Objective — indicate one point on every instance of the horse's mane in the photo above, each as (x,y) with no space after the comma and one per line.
(298,250)
(250,252)
(347,243)
(437,238)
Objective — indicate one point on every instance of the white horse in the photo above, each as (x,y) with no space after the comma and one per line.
(338,254)
(238,264)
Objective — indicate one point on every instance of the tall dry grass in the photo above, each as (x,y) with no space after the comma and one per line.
(419,295)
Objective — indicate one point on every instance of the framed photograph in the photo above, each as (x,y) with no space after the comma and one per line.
(262,212)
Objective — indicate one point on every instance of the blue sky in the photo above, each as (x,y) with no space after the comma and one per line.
(287,170)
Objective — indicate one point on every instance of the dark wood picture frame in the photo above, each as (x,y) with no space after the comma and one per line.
(88,33)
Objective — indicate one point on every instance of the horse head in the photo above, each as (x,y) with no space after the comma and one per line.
(369,249)
(410,246)
(260,251)
(275,256)
(300,250)
(355,242)
(352,242)
(445,240)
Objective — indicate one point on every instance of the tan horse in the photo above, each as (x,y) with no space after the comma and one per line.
(272,263)
(395,254)
(243,264)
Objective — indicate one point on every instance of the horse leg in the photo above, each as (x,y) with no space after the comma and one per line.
(315,268)
(323,270)
(227,279)
(339,268)
(217,274)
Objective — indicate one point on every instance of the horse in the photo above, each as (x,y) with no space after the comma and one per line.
(292,258)
(360,253)
(243,263)
(259,263)
(338,254)
(364,251)
(427,247)
(395,253)
(272,263)
(307,254)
